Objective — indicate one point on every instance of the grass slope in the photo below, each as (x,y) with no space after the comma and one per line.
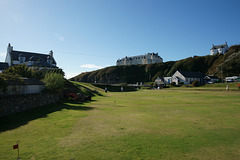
(148,124)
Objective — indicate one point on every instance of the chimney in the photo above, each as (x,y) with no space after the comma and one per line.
(51,53)
(225,43)
(10,48)
(51,57)
(9,52)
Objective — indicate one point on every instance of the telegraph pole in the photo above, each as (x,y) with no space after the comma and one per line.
(222,73)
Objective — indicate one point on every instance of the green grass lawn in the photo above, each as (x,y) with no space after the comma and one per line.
(147,124)
(216,86)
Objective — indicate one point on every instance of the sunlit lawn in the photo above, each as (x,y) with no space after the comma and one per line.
(148,124)
(216,86)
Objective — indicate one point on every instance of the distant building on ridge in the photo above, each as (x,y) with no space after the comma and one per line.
(141,59)
(223,48)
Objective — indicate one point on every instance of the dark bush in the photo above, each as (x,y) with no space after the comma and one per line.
(195,83)
(23,71)
(3,84)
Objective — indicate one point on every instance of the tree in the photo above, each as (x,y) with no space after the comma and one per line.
(20,70)
(38,73)
(54,82)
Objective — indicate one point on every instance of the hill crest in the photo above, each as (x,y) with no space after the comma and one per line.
(220,65)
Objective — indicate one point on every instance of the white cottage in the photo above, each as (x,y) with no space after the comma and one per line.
(167,80)
(159,82)
(187,77)
(223,48)
(30,59)
(211,79)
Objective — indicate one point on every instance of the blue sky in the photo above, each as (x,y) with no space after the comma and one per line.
(89,34)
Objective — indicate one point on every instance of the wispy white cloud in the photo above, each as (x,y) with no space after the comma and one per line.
(70,75)
(91,66)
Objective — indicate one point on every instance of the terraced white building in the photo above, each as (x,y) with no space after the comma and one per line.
(141,59)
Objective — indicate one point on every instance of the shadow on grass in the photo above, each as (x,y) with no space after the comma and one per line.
(22,118)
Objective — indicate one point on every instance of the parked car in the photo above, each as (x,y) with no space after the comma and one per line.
(210,82)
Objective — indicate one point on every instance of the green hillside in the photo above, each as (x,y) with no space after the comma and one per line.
(219,65)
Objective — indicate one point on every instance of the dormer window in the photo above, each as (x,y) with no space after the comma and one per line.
(21,59)
(48,59)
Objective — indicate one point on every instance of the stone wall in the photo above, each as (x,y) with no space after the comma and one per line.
(18,103)
(22,89)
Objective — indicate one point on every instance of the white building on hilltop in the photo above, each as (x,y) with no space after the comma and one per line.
(141,59)
(30,59)
(223,48)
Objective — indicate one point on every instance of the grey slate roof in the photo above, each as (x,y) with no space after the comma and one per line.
(219,46)
(41,59)
(3,66)
(189,74)
(212,77)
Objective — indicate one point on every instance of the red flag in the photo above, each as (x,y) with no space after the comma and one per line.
(15,146)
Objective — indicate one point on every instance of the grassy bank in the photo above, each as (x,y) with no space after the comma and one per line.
(147,124)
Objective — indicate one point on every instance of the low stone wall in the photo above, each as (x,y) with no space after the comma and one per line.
(22,89)
(18,103)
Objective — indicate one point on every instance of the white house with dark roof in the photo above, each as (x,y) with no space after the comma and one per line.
(187,77)
(223,48)
(141,59)
(159,82)
(211,79)
(31,59)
